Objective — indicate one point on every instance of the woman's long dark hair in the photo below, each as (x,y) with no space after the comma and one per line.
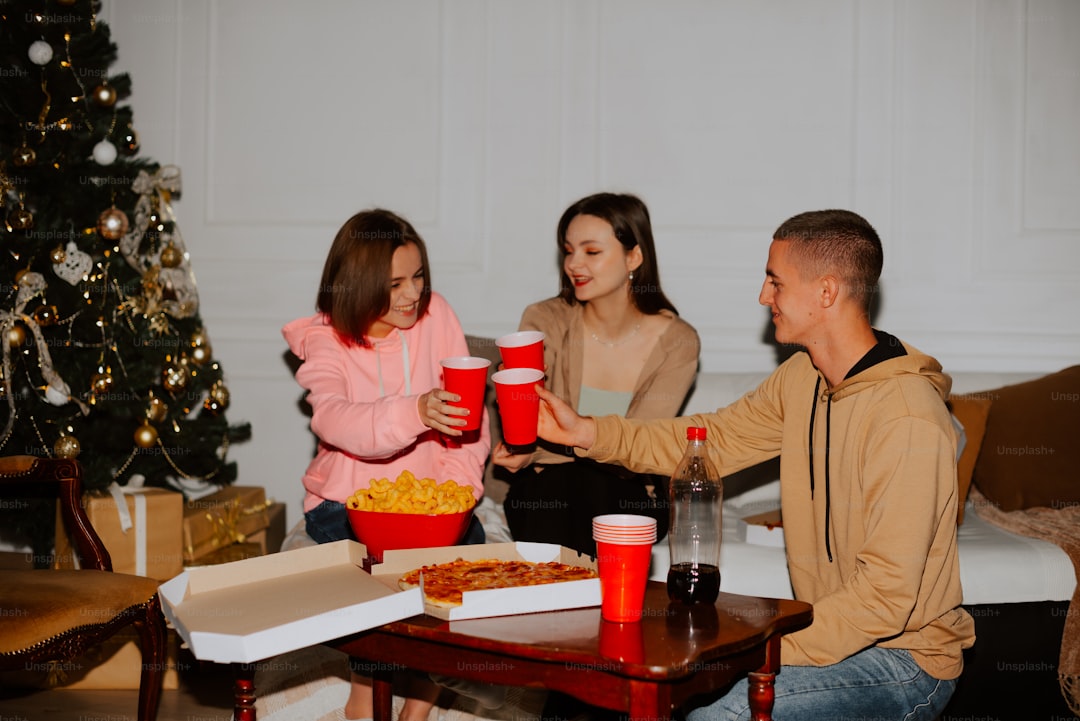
(629,218)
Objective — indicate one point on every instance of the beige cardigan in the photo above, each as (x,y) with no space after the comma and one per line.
(662,387)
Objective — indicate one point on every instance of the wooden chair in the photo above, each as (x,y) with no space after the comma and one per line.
(57,615)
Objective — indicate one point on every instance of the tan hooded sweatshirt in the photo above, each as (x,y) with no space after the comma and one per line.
(869,514)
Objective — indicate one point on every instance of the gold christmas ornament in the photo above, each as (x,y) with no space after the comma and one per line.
(105,95)
(67,447)
(101,382)
(220,393)
(171,257)
(146,435)
(156,410)
(175,377)
(201,353)
(23,155)
(218,398)
(112,224)
(20,219)
(58,256)
(16,335)
(46,315)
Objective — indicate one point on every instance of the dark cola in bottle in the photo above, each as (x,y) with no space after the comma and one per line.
(696,494)
(690,583)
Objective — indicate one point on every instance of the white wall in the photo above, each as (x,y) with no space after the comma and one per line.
(950,126)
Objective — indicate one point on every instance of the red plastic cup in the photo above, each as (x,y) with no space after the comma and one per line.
(624,544)
(467,376)
(624,527)
(622,641)
(519,406)
(624,571)
(523,349)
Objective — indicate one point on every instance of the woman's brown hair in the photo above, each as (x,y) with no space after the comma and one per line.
(355,288)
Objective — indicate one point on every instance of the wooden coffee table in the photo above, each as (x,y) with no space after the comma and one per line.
(646,669)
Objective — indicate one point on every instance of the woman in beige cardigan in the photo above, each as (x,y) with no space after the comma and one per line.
(613,344)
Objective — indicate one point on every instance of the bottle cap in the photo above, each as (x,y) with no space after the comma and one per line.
(695,433)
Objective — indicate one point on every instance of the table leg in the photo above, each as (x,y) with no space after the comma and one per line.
(382,691)
(244,692)
(649,701)
(761,694)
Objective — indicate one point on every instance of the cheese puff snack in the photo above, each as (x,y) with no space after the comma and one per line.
(409,494)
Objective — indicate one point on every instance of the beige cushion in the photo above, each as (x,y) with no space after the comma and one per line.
(971,410)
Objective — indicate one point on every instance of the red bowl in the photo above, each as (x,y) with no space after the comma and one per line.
(380,531)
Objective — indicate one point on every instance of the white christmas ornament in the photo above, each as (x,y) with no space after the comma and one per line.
(76,264)
(40,52)
(104,153)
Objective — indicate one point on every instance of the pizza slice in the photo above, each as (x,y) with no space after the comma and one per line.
(444,583)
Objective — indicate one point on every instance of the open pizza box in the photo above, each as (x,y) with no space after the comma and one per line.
(764,529)
(250,610)
(501,601)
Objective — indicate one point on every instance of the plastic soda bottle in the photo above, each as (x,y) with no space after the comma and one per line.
(696,494)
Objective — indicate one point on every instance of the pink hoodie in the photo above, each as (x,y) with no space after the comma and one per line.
(364,406)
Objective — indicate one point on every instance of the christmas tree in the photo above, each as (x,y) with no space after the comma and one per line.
(105,357)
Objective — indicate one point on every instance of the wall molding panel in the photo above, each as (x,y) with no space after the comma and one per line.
(950,126)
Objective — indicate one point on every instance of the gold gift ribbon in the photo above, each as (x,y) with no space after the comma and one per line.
(225,531)
(226,521)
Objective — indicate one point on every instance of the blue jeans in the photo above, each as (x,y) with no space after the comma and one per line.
(878,684)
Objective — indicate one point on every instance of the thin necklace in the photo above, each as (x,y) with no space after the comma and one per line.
(614,343)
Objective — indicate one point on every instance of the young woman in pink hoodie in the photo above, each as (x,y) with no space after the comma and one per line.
(370,366)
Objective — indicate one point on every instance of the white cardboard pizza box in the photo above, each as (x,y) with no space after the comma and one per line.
(501,601)
(254,609)
(764,529)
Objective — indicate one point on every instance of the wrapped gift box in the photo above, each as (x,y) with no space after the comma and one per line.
(223,518)
(260,543)
(271,537)
(117,664)
(114,664)
(142,534)
(228,554)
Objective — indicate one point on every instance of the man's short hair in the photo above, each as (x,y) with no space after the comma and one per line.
(836,242)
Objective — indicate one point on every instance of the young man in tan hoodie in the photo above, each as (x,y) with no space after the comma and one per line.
(868,484)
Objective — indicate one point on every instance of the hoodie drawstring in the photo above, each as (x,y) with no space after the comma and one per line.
(828,429)
(404,362)
(810,441)
(828,492)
